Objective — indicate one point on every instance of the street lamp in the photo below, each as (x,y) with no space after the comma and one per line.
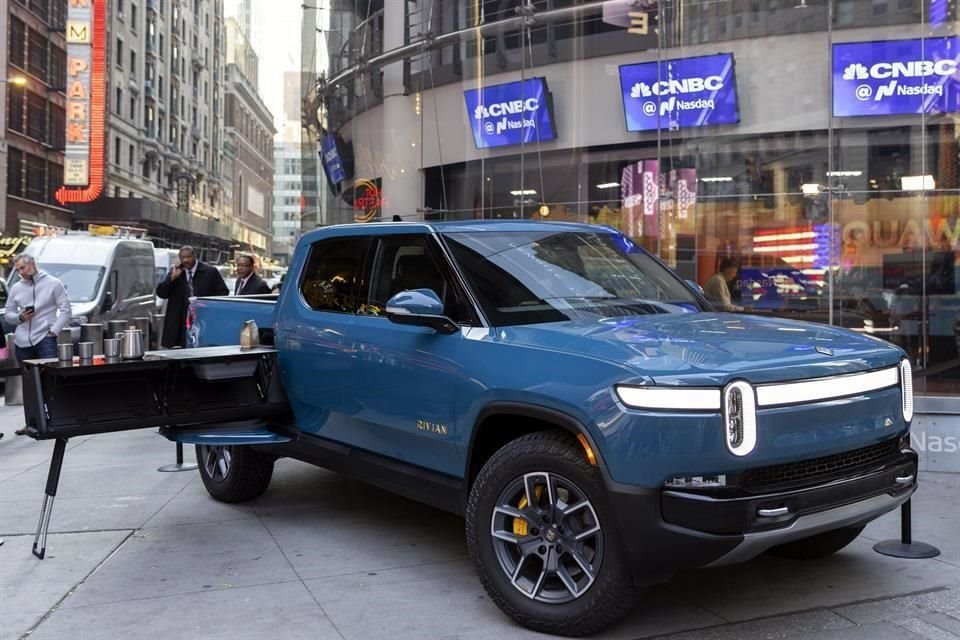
(18,81)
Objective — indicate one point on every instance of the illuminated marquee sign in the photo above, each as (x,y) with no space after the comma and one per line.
(367,200)
(86,97)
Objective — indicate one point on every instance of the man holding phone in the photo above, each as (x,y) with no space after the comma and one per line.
(39,307)
(187,279)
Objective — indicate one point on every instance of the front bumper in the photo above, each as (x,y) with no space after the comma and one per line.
(668,530)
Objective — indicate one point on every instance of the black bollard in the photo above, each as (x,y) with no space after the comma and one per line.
(178,465)
(905,547)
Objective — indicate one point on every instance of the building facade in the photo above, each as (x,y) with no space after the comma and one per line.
(813,143)
(164,127)
(34,116)
(249,138)
(287,198)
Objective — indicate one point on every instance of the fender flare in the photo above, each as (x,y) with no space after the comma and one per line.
(538,412)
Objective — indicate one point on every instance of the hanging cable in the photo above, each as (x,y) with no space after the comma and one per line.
(543,192)
(436,119)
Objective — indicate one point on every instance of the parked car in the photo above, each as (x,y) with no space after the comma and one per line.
(106,278)
(597,425)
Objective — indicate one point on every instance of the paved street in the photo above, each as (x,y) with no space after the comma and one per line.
(139,554)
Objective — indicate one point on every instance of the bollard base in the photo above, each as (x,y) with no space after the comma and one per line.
(178,466)
(912,550)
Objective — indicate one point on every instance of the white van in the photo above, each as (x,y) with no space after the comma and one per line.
(106,278)
(163,260)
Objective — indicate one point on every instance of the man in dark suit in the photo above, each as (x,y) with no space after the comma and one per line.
(248,282)
(189,278)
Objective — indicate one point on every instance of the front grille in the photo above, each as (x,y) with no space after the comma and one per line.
(819,469)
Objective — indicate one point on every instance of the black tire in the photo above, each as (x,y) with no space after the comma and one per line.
(234,473)
(605,591)
(818,546)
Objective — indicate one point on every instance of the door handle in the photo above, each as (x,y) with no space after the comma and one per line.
(773,513)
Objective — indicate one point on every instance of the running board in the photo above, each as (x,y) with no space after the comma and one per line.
(247,432)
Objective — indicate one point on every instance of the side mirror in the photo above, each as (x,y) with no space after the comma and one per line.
(693,284)
(420,307)
(108,301)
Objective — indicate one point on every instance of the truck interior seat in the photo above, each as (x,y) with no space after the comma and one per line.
(417,271)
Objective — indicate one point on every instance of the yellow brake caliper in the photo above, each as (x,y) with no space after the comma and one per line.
(520,527)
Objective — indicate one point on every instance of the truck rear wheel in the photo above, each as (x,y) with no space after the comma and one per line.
(540,534)
(234,473)
(818,546)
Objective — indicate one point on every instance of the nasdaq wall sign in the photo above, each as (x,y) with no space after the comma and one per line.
(512,113)
(675,94)
(896,77)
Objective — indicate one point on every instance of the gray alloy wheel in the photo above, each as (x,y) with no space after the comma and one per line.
(547,537)
(216,460)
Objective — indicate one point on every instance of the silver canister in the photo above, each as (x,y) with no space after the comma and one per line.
(115,327)
(85,350)
(65,352)
(92,333)
(143,324)
(65,336)
(111,347)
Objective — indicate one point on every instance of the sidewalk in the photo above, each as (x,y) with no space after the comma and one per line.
(134,553)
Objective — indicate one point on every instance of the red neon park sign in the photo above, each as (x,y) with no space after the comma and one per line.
(86,102)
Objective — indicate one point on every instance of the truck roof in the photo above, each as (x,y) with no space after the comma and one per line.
(77,249)
(459,226)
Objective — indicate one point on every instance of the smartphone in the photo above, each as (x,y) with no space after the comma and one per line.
(28,309)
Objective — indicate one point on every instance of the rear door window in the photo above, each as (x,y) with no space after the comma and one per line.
(333,278)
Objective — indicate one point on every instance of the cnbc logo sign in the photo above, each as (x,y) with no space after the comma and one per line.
(895,70)
(896,77)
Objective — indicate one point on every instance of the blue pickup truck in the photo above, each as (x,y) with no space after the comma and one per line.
(596,423)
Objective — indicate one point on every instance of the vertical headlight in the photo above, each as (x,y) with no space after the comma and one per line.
(740,418)
(906,389)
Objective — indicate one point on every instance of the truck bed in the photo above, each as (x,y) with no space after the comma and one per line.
(219,319)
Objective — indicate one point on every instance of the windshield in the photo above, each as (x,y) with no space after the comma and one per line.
(81,281)
(525,277)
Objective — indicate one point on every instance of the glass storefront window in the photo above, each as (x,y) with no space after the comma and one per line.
(812,143)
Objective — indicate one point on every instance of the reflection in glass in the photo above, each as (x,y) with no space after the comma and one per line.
(820,156)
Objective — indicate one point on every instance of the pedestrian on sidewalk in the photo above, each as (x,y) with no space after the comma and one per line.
(186,279)
(39,308)
(248,282)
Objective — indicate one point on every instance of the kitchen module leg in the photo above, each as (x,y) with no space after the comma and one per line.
(178,465)
(53,479)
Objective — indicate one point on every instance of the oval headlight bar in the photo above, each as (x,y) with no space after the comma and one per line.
(740,418)
(906,389)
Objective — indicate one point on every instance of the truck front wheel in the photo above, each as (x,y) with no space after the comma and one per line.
(234,473)
(540,535)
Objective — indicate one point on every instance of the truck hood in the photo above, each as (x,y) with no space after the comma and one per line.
(710,349)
